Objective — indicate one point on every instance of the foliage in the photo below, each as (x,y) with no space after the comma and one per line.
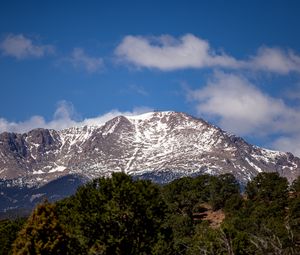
(268,188)
(43,234)
(119,215)
(8,233)
(295,187)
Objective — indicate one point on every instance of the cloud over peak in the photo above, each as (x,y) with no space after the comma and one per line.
(65,116)
(21,47)
(238,106)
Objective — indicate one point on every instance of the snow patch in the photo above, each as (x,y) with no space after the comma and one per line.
(35,196)
(38,172)
(253,165)
(146,116)
(143,116)
(57,169)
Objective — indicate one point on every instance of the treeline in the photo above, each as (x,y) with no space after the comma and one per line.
(119,215)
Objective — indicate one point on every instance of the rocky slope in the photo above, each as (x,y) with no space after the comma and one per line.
(159,145)
(14,199)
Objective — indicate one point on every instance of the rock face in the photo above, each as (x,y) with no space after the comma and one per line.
(157,145)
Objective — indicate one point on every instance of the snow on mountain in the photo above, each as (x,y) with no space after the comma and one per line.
(157,145)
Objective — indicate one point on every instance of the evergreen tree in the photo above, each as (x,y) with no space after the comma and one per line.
(268,189)
(8,233)
(222,189)
(117,215)
(295,187)
(43,234)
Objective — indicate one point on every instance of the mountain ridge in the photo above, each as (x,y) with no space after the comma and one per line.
(166,144)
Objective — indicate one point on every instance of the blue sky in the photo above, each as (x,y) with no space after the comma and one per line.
(233,63)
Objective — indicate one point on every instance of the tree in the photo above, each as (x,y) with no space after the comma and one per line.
(264,216)
(223,188)
(269,189)
(117,215)
(181,196)
(43,234)
(8,233)
(293,223)
(295,187)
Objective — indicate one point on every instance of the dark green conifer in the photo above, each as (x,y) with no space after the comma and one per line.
(43,234)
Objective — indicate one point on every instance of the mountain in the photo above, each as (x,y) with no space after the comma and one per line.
(12,198)
(160,146)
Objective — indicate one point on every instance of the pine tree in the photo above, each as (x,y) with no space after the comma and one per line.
(43,234)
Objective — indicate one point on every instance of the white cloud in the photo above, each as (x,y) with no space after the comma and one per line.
(275,60)
(168,53)
(239,107)
(21,47)
(288,143)
(111,114)
(80,59)
(64,117)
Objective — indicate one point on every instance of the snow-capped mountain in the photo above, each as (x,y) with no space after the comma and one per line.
(157,145)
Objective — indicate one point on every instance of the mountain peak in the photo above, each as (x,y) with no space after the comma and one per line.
(149,115)
(159,145)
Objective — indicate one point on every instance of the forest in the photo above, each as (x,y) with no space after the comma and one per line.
(202,215)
